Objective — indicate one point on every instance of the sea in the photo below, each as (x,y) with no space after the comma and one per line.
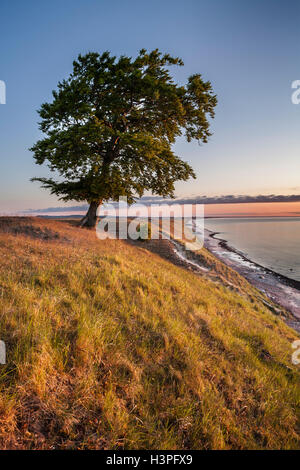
(271,242)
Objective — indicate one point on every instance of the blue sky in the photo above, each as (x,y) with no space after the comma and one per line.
(248,50)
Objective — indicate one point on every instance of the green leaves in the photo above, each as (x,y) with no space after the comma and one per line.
(111,124)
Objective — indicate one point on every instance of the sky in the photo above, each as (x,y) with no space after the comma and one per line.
(248,50)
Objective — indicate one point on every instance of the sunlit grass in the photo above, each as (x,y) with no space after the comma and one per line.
(111,346)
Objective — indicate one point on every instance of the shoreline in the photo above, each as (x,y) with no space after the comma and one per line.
(280,289)
(284,279)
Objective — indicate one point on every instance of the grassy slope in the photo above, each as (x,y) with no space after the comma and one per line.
(111,346)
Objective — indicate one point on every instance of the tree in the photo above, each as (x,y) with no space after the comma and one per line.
(111,125)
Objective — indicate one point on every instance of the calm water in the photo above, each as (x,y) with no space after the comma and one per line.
(271,242)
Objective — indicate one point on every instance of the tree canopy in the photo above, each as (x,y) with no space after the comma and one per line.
(110,128)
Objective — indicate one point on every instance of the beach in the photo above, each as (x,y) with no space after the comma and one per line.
(280,289)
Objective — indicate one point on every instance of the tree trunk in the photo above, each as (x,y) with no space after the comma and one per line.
(90,219)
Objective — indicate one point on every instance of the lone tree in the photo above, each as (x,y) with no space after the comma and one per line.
(111,125)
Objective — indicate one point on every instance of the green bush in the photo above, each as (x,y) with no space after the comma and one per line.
(144,230)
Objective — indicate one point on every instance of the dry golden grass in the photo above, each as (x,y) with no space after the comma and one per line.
(111,346)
